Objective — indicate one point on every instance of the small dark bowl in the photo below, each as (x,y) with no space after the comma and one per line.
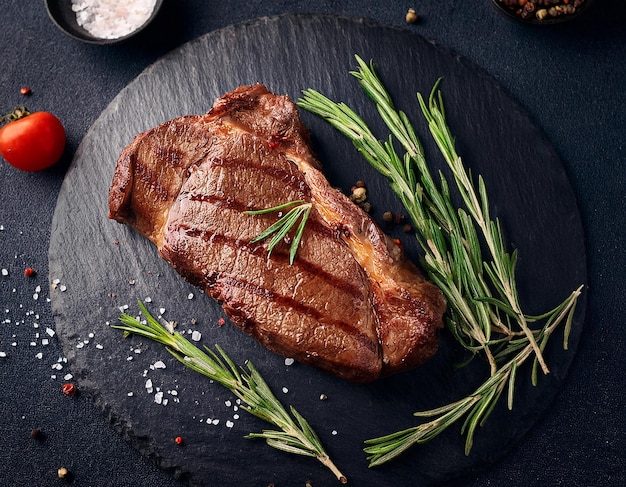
(60,11)
(559,19)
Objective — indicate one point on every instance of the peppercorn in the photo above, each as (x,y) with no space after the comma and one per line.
(25,90)
(358,195)
(406,228)
(29,272)
(411,16)
(178,440)
(388,216)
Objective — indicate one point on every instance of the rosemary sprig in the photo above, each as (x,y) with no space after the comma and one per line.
(483,314)
(283,225)
(295,435)
(475,407)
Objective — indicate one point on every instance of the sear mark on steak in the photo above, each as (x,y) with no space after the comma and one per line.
(351,304)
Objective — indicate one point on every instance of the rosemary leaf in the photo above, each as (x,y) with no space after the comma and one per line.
(296,435)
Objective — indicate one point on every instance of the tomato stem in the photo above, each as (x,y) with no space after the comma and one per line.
(16,114)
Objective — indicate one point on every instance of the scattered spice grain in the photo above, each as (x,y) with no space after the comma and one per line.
(411,16)
(69,389)
(36,434)
(63,473)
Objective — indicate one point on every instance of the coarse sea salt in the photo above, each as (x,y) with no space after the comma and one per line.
(112,19)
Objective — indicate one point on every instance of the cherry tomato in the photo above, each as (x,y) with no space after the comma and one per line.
(32,142)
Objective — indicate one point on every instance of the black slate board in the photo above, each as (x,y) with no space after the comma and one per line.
(98,266)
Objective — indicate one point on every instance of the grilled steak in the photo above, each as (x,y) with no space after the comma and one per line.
(350,303)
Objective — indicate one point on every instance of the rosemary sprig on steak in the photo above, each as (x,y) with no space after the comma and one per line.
(280,230)
(483,314)
(295,435)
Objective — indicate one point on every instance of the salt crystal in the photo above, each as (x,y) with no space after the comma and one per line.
(289,361)
(190,296)
(39,355)
(227,403)
(45,341)
(196,336)
(161,310)
(63,288)
(67,376)
(50,332)
(159,364)
(148,299)
(99,347)
(3,354)
(149,386)
(285,390)
(158,397)
(111,19)
(229,424)
(130,394)
(333,432)
(5,272)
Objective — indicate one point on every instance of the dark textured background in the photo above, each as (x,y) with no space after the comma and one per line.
(571,80)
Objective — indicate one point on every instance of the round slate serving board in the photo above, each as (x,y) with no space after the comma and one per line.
(98,266)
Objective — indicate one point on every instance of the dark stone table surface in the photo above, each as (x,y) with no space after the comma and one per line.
(570,80)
